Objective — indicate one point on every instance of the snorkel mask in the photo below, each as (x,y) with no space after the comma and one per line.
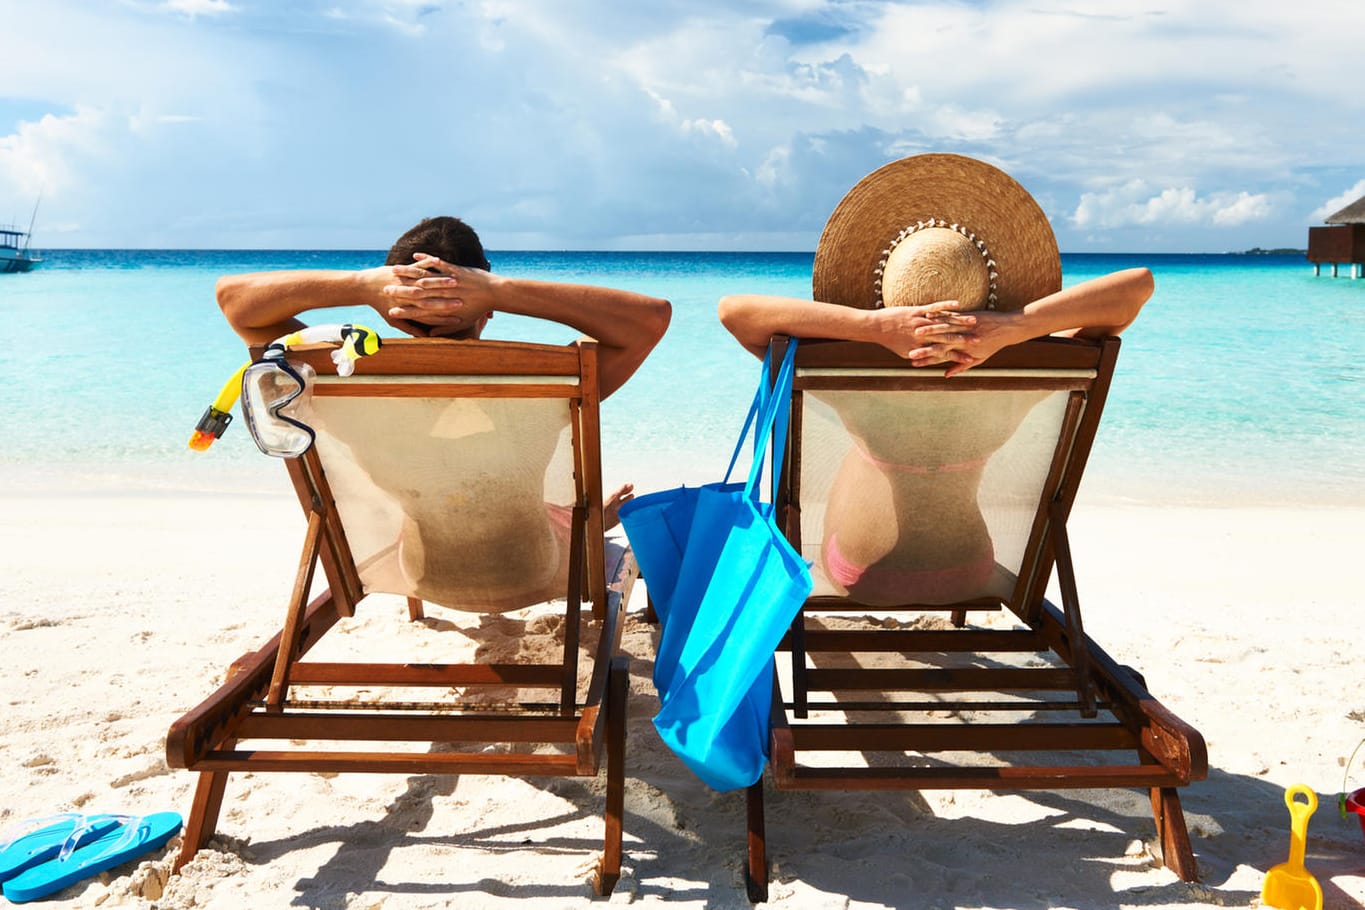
(274,392)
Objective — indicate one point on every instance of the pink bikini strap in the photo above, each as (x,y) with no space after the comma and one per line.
(953,468)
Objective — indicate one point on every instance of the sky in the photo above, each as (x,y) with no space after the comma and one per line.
(1139,125)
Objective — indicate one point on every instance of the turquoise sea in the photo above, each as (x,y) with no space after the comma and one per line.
(1243,379)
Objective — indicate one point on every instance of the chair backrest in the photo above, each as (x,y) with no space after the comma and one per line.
(456,468)
(907,488)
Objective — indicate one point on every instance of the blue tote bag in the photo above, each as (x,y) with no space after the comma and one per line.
(726,585)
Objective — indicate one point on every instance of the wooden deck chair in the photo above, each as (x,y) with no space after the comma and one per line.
(465,474)
(909,492)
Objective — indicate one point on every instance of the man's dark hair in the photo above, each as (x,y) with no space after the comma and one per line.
(444,237)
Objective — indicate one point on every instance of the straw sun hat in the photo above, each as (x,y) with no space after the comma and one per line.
(937,227)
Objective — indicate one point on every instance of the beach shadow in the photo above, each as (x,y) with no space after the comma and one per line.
(1239,820)
(686,842)
(368,852)
(1075,855)
(890,848)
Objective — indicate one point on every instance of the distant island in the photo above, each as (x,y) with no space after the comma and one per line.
(1281,251)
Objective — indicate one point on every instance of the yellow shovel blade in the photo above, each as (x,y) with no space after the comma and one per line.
(1287,888)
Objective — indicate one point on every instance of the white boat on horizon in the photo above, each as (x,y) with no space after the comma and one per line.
(15,253)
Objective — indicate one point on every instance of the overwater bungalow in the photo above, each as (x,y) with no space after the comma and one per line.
(1340,240)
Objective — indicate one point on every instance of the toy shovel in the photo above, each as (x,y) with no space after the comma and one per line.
(1288,886)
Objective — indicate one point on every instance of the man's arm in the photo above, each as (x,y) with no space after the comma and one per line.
(431,297)
(626,325)
(262,306)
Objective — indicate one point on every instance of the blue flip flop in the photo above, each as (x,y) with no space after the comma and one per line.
(40,839)
(74,862)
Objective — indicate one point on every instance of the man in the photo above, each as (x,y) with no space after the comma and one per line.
(436,282)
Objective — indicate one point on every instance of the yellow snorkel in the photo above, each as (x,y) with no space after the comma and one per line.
(356,341)
(216,419)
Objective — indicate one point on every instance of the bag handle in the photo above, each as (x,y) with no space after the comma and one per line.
(774,420)
(759,403)
(772,408)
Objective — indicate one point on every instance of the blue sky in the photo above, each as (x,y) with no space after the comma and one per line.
(1140,125)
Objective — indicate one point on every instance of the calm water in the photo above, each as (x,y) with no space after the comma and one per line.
(1242,378)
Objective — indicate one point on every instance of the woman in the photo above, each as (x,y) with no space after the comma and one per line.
(940,259)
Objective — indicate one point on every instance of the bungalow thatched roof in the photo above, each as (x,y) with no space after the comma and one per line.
(1352,214)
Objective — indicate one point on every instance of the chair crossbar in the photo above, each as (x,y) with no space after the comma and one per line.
(928,640)
(999,777)
(446,390)
(1020,705)
(939,679)
(394,763)
(960,737)
(374,674)
(365,727)
(440,385)
(979,372)
(433,707)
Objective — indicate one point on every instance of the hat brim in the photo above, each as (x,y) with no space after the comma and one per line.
(960,190)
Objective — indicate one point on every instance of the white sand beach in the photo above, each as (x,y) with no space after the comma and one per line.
(121,612)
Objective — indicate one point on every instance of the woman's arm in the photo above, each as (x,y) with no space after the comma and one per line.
(755,318)
(937,333)
(1092,309)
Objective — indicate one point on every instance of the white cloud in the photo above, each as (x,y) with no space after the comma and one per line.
(143,121)
(774,167)
(718,128)
(1134,204)
(402,16)
(398,24)
(1244,208)
(952,122)
(1187,119)
(1337,203)
(665,106)
(199,7)
(46,157)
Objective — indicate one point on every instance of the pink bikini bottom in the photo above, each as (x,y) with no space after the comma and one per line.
(885,586)
(561,521)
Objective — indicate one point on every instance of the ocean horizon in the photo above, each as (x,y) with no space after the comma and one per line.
(1240,381)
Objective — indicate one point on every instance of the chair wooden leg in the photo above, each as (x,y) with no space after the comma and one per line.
(293,621)
(618,692)
(1071,605)
(756,873)
(800,689)
(203,820)
(1176,851)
